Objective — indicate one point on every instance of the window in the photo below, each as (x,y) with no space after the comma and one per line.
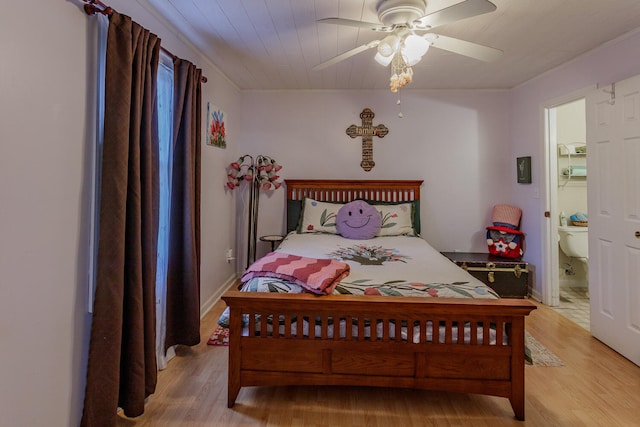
(165,134)
(102,28)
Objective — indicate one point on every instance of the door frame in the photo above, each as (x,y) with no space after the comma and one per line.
(551,280)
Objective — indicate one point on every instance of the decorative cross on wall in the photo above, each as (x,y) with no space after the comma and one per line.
(367,131)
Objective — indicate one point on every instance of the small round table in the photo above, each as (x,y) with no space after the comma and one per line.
(273,239)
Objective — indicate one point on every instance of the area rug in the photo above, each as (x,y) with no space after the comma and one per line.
(538,355)
(535,353)
(219,337)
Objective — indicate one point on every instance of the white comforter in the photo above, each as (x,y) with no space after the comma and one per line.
(390,265)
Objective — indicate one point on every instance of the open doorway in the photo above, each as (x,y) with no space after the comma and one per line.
(567,246)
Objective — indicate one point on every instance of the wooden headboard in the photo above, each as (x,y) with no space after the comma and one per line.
(336,190)
(344,191)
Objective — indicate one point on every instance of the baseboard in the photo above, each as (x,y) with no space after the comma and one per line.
(573,283)
(536,295)
(213,299)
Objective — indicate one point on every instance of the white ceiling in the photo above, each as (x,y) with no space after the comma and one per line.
(273,44)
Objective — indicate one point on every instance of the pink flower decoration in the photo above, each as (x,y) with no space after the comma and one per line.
(259,171)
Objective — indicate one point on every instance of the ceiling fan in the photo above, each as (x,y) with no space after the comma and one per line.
(410,35)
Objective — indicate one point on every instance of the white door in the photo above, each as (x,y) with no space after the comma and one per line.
(613,155)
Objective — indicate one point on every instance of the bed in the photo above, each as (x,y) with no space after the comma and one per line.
(357,337)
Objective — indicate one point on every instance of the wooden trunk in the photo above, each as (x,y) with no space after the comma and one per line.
(510,278)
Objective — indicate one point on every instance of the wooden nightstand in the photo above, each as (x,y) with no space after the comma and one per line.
(273,239)
(510,278)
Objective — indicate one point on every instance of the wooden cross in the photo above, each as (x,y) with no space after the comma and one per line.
(367,131)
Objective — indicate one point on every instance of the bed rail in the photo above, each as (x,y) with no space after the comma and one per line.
(379,357)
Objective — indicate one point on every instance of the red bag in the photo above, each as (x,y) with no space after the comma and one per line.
(503,237)
(503,243)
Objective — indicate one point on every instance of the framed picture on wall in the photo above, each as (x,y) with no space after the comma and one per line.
(216,133)
(523,170)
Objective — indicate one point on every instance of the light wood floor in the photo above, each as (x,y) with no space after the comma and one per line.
(596,387)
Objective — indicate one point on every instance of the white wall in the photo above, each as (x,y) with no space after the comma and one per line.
(46,111)
(43,183)
(457,142)
(612,62)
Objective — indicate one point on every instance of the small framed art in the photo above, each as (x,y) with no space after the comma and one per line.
(523,170)
(216,133)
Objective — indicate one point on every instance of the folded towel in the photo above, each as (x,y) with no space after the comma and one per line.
(579,216)
(575,171)
(319,276)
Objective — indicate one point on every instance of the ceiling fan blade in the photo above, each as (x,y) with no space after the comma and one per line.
(345,55)
(462,47)
(459,11)
(358,24)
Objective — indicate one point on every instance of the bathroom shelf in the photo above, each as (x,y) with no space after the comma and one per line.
(572,149)
(568,152)
(571,175)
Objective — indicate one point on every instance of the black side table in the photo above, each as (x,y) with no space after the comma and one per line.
(273,239)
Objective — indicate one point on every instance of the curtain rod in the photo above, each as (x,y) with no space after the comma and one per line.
(92,7)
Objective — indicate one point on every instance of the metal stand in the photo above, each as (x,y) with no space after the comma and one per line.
(252,226)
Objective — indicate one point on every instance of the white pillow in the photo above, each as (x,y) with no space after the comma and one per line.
(318,217)
(396,219)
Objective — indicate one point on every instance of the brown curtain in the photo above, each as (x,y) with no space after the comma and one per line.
(183,269)
(122,369)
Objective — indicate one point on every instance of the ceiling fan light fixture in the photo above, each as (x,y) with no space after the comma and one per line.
(388,45)
(416,45)
(401,72)
(414,48)
(383,60)
(403,49)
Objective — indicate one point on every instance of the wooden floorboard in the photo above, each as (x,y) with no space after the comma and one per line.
(595,387)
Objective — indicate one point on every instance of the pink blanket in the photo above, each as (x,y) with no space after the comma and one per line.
(319,276)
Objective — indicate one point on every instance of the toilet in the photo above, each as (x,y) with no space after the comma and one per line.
(574,243)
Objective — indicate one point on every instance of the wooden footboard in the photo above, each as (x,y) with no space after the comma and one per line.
(489,362)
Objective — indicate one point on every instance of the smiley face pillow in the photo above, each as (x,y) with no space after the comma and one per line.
(358,220)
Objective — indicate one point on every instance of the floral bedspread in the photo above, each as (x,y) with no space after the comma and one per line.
(390,265)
